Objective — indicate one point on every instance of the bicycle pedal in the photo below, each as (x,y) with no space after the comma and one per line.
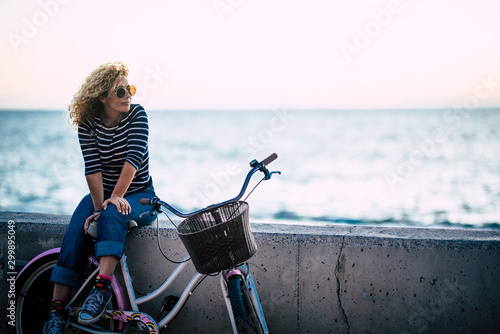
(169,303)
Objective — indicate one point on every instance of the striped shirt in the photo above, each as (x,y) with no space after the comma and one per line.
(106,149)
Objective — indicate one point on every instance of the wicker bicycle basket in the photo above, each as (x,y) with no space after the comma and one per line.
(218,239)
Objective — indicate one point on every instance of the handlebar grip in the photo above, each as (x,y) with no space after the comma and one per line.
(145,201)
(270,159)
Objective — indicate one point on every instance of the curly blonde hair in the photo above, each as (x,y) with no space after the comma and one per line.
(86,103)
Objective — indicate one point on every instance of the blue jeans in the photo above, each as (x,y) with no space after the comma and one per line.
(112,229)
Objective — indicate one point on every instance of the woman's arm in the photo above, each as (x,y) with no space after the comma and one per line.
(94,181)
(121,187)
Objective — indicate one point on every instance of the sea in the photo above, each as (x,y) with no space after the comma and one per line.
(436,168)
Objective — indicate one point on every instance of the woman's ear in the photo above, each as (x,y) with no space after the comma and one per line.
(103,98)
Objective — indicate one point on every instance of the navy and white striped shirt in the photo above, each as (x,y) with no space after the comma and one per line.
(106,149)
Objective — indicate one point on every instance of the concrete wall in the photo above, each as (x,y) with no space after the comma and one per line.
(320,279)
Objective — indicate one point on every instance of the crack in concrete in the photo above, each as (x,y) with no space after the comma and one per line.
(298,288)
(339,295)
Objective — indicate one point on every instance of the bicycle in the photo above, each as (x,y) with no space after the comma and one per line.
(218,239)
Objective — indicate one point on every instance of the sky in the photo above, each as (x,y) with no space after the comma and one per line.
(241,54)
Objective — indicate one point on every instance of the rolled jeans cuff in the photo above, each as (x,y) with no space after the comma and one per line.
(65,276)
(107,248)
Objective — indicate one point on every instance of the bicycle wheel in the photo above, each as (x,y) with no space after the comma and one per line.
(34,293)
(245,316)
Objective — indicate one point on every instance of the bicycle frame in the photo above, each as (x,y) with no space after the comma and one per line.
(128,292)
(195,280)
(135,302)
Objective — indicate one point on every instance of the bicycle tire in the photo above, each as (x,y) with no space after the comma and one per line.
(34,293)
(245,316)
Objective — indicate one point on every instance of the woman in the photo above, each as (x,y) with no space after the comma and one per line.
(113,135)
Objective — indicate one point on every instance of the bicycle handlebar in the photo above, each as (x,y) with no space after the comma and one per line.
(156,203)
(269,159)
(144,201)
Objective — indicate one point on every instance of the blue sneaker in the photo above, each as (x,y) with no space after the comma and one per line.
(55,325)
(94,306)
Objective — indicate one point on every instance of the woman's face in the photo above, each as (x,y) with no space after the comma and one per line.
(112,103)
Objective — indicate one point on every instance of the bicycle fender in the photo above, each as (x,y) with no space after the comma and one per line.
(37,258)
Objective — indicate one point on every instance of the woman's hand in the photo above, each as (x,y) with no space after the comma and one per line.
(94,216)
(121,204)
